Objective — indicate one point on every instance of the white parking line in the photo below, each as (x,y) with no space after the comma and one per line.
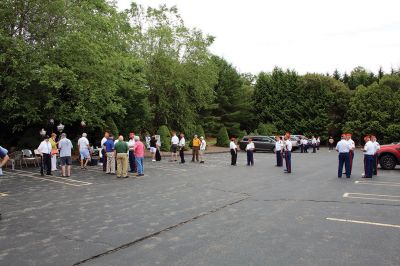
(3,194)
(378,183)
(371,196)
(363,222)
(68,181)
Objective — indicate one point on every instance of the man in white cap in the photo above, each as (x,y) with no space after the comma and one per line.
(83,145)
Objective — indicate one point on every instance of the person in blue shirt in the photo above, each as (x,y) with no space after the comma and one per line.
(4,158)
(110,151)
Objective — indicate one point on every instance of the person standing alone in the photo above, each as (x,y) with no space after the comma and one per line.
(330,142)
(233,149)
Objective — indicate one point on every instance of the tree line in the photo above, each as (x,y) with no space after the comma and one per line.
(144,70)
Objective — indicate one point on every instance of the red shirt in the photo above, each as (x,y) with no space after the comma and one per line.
(139,149)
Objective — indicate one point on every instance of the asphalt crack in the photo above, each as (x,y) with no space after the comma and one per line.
(129,244)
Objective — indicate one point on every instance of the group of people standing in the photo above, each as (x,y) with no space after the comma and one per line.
(346,147)
(283,149)
(199,146)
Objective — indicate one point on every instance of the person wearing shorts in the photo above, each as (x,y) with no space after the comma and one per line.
(83,145)
(153,148)
(174,147)
(65,147)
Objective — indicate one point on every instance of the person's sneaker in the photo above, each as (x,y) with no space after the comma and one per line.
(202,162)
(153,160)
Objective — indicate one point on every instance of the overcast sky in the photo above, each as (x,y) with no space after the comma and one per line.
(308,36)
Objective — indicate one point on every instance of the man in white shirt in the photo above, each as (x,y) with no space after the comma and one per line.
(344,147)
(249,150)
(174,147)
(132,159)
(377,148)
(202,150)
(314,144)
(83,146)
(278,150)
(318,143)
(233,149)
(45,152)
(369,151)
(304,141)
(103,150)
(352,148)
(181,145)
(65,146)
(288,153)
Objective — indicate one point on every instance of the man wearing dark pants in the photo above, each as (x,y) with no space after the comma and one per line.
(132,159)
(344,147)
(195,148)
(45,151)
(369,150)
(249,150)
(233,149)
(278,151)
(375,162)
(103,150)
(181,146)
(288,153)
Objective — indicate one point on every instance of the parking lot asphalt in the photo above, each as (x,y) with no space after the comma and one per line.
(211,214)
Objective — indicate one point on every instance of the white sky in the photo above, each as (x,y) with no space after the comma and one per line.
(308,36)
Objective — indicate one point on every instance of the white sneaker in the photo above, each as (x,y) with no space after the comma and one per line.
(153,160)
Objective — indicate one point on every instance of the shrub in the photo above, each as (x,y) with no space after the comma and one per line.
(165,137)
(222,137)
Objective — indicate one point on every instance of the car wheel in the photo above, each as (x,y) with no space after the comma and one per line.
(387,161)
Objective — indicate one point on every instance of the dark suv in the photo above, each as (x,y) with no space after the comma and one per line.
(261,143)
(389,156)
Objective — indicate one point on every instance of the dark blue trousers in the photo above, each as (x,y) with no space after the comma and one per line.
(375,165)
(279,158)
(368,165)
(344,158)
(250,160)
(288,160)
(132,161)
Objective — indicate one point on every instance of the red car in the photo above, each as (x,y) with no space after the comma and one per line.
(389,156)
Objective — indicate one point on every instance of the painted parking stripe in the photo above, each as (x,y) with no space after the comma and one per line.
(69,182)
(371,196)
(378,183)
(363,222)
(3,194)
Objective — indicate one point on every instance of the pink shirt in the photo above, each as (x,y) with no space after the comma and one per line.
(139,149)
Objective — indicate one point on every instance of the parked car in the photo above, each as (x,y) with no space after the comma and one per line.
(261,143)
(389,156)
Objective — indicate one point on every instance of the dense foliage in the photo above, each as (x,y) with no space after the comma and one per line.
(142,68)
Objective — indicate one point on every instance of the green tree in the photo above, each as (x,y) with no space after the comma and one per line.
(165,137)
(267,129)
(222,137)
